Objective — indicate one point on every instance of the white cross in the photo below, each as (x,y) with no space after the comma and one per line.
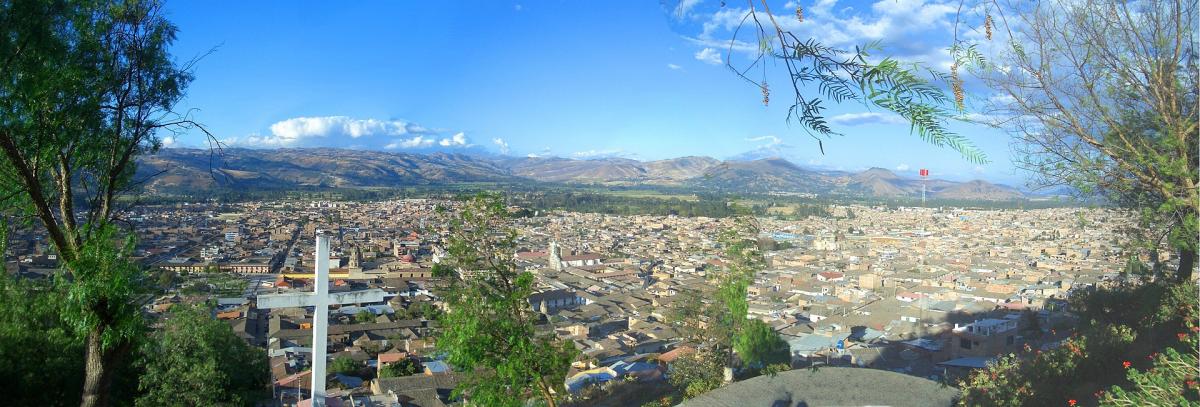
(319,299)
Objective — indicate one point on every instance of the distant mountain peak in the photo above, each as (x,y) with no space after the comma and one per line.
(175,170)
(879,172)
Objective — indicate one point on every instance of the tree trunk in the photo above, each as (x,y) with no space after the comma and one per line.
(99,367)
(545,389)
(1187,261)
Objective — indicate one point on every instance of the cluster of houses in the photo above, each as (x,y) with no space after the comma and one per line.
(932,292)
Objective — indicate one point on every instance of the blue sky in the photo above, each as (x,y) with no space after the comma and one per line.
(639,79)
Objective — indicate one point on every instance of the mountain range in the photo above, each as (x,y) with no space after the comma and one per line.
(175,170)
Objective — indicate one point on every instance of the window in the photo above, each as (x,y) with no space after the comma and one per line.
(964,343)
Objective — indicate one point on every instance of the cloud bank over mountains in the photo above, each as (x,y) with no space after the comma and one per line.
(355,133)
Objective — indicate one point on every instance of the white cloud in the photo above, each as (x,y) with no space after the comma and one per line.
(347,132)
(863,118)
(684,8)
(709,56)
(168,142)
(615,152)
(1001,98)
(674,67)
(910,29)
(902,167)
(415,142)
(518,7)
(457,140)
(771,141)
(302,127)
(767,147)
(503,145)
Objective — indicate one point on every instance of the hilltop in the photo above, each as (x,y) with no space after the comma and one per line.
(196,170)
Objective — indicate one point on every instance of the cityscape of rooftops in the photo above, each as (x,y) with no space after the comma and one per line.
(565,204)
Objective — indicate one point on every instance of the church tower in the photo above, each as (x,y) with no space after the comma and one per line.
(555,257)
(354,266)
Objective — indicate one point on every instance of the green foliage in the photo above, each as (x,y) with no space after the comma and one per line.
(39,349)
(197,360)
(909,90)
(489,328)
(364,317)
(697,373)
(720,326)
(1031,325)
(742,261)
(1113,116)
(1122,328)
(1134,267)
(429,311)
(102,293)
(85,86)
(343,365)
(759,345)
(776,368)
(404,367)
(165,279)
(1172,380)
(616,204)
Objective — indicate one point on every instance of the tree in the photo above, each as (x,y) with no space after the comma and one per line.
(697,373)
(489,327)
(343,365)
(1102,97)
(429,311)
(165,279)
(404,367)
(364,317)
(197,360)
(1122,328)
(85,87)
(817,73)
(1031,325)
(759,345)
(39,349)
(688,313)
(1135,267)
(1173,379)
(743,260)
(720,326)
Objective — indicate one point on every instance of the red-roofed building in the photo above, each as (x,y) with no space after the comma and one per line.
(676,353)
(830,276)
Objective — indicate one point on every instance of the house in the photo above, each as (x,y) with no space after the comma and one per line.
(581,380)
(829,276)
(809,345)
(417,390)
(551,300)
(676,353)
(388,358)
(985,338)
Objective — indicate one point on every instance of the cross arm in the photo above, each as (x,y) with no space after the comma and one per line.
(286,300)
(356,297)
